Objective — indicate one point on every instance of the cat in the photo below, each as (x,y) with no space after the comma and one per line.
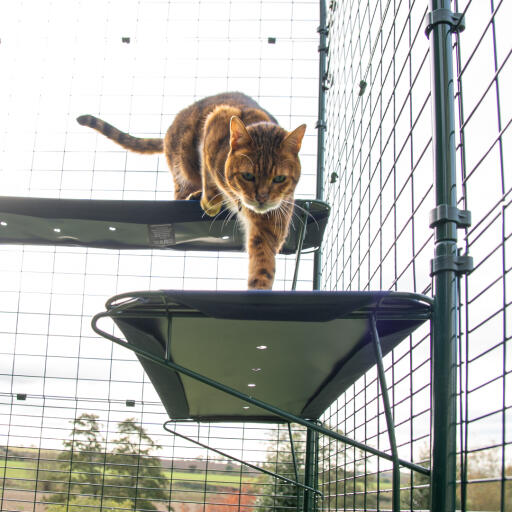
(227,151)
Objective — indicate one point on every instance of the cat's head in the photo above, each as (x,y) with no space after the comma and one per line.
(263,167)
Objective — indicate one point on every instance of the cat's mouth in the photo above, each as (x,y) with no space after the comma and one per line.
(261,207)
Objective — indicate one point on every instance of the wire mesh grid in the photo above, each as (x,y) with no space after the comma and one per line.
(135,63)
(115,457)
(379,182)
(484,115)
(154,59)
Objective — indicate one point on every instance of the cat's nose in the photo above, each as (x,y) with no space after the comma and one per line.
(261,197)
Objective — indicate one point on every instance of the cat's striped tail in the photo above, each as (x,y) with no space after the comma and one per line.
(139,145)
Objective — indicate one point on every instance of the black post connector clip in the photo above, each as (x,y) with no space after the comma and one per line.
(445,213)
(461,264)
(454,19)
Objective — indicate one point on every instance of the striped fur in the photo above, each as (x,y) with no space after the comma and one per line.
(227,151)
(139,145)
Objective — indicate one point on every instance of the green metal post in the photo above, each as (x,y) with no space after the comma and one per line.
(445,263)
(311,470)
(388,414)
(295,468)
(300,243)
(321,127)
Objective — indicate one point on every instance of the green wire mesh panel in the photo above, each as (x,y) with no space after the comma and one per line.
(483,66)
(378,180)
(114,456)
(135,63)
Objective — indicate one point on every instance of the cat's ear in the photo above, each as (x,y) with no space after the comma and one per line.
(238,134)
(293,140)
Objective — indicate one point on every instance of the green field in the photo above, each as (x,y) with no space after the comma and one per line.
(22,474)
(22,469)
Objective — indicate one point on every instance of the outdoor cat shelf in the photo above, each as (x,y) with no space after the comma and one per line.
(260,343)
(264,355)
(120,224)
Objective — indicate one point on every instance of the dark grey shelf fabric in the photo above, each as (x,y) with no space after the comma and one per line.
(316,345)
(120,224)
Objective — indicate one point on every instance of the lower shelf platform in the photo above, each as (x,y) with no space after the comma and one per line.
(296,351)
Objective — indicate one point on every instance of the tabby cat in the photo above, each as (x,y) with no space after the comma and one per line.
(226,150)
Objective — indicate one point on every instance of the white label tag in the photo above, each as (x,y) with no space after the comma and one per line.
(161,235)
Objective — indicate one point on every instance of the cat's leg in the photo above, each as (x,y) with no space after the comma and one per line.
(263,243)
(215,150)
(266,234)
(183,163)
(187,191)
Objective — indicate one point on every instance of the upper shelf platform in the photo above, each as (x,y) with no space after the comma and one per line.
(120,224)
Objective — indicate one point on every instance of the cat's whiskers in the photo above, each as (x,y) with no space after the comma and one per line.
(281,217)
(228,219)
(293,216)
(286,216)
(308,214)
(237,224)
(224,202)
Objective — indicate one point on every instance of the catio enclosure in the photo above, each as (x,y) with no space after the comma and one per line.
(400,124)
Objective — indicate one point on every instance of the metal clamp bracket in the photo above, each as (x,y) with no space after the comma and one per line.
(460,264)
(454,19)
(323,30)
(446,213)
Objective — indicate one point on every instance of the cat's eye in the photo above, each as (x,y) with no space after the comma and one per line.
(279,179)
(248,176)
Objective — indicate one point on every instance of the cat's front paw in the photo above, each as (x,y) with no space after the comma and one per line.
(210,209)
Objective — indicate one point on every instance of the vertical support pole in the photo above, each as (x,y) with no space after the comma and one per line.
(311,470)
(300,243)
(387,411)
(295,468)
(321,127)
(444,265)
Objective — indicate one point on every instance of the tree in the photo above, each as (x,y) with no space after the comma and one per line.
(341,474)
(82,461)
(133,472)
(483,487)
(277,495)
(281,496)
(128,477)
(483,490)
(418,497)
